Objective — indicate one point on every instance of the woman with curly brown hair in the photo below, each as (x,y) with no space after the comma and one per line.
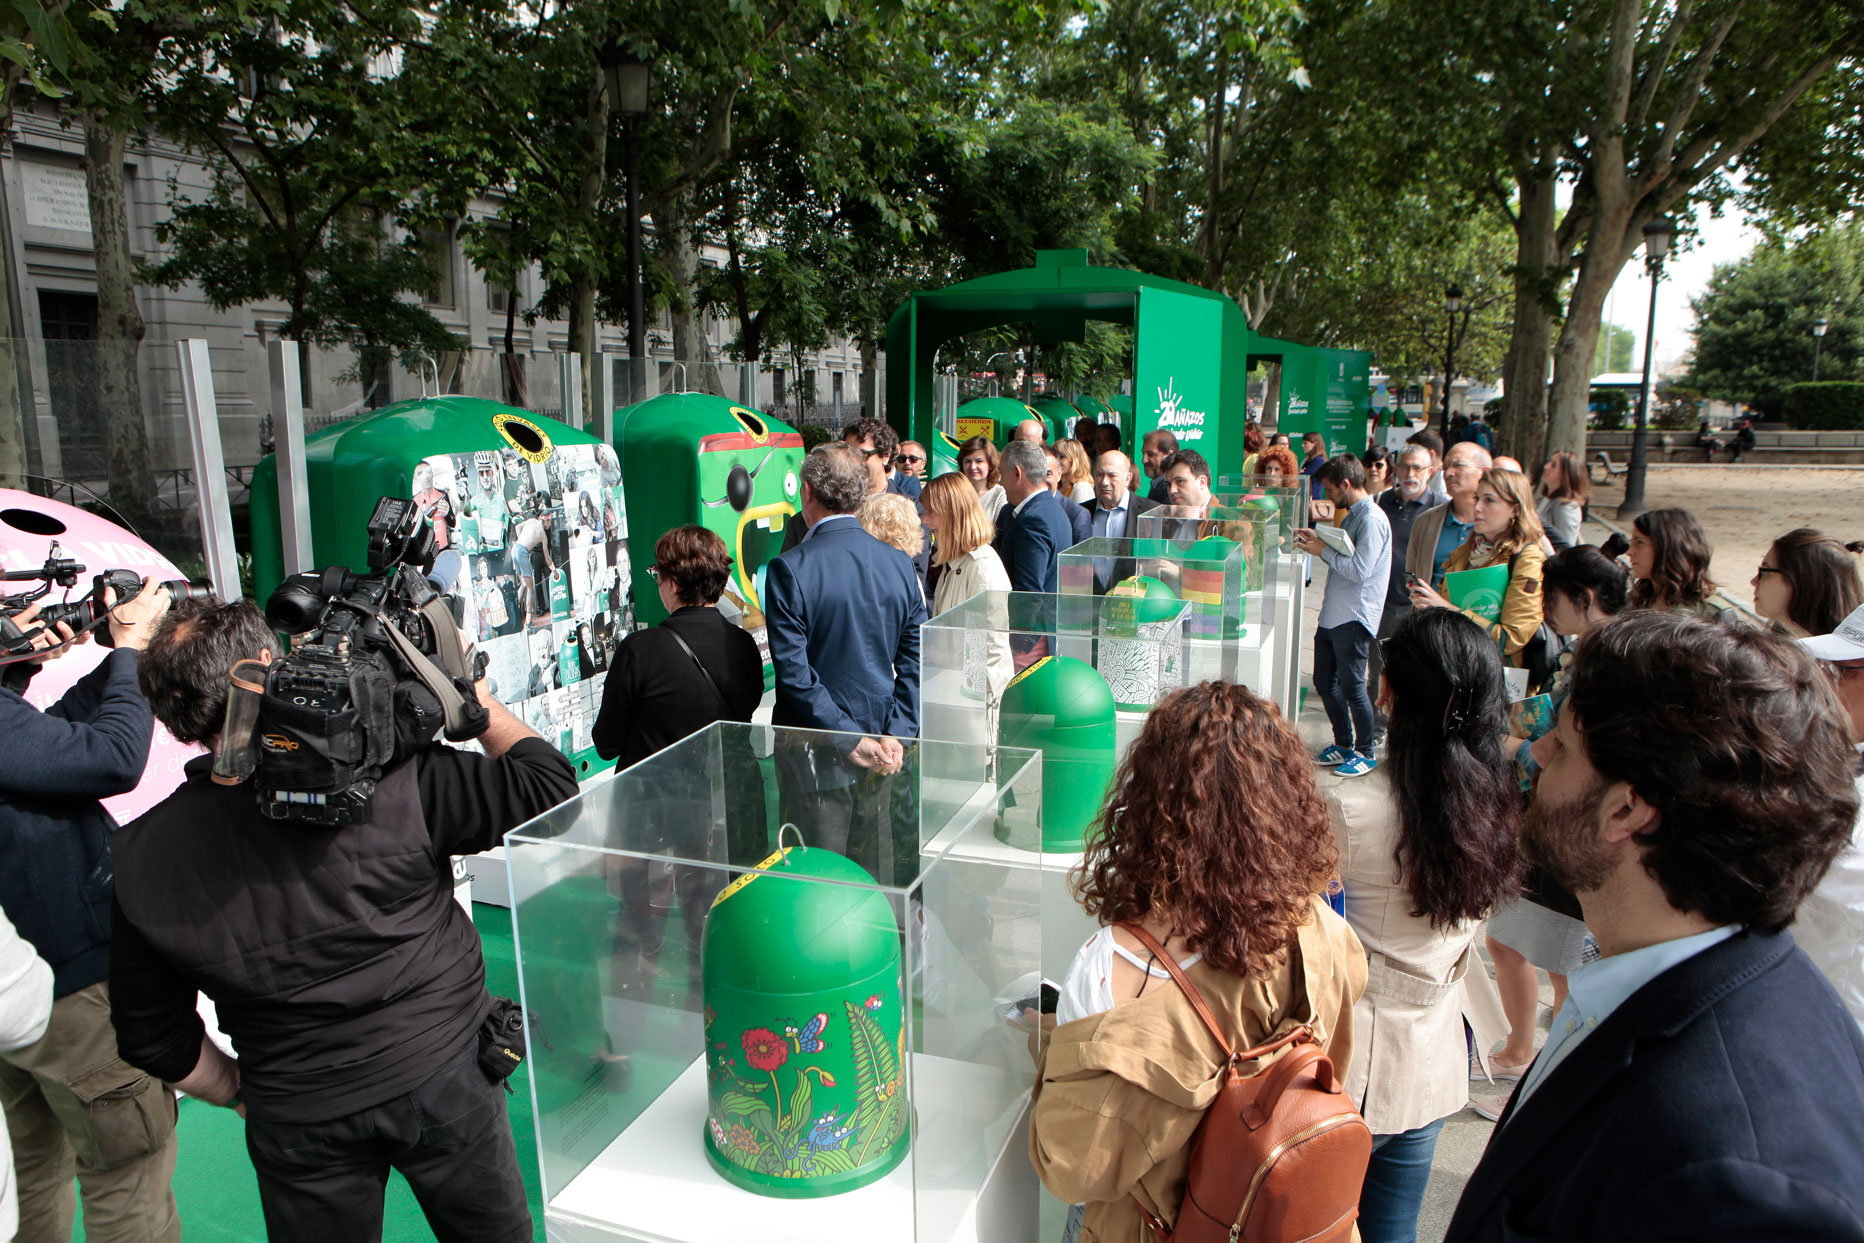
(1215,841)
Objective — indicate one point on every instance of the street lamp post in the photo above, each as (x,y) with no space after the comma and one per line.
(1819,326)
(1656,246)
(1452,303)
(630,81)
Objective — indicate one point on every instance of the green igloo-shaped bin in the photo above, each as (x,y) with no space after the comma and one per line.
(1064,708)
(805,1048)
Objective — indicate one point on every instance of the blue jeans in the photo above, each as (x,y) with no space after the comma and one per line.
(1395,1182)
(1340,678)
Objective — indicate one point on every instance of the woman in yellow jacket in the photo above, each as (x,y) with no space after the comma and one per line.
(1506,531)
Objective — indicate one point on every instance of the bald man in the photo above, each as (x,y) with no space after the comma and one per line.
(1114,513)
(1508,463)
(1032,430)
(1439,532)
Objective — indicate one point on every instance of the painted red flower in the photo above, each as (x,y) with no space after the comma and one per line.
(764,1049)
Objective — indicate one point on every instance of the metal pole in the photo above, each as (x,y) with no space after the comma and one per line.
(1633,504)
(1449,369)
(210,473)
(294,492)
(637,301)
(1817,341)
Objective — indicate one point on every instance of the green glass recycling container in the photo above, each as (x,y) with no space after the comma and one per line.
(805,1044)
(1064,708)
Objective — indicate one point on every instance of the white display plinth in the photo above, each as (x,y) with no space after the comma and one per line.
(656,1177)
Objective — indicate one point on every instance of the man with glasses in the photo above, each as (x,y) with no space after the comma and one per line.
(1830,926)
(1437,533)
(911,461)
(1408,499)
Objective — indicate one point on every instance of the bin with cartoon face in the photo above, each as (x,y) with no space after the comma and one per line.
(697,458)
(532,523)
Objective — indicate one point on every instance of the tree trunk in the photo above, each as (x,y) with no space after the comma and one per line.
(872,399)
(1610,243)
(1536,292)
(680,258)
(119,321)
(1271,398)
(582,338)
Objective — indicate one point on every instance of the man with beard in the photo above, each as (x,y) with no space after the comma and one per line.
(1702,1079)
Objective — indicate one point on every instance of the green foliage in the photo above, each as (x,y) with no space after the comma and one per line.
(1677,407)
(1611,409)
(1614,351)
(1829,405)
(327,134)
(1754,322)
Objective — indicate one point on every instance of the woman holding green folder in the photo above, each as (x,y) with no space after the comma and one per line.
(1506,535)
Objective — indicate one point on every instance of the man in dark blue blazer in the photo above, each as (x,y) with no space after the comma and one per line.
(844,611)
(1702,1080)
(1080,525)
(1031,528)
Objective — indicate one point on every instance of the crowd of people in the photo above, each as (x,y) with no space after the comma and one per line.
(1605,773)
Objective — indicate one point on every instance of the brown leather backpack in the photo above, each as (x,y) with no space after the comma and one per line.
(1280,1156)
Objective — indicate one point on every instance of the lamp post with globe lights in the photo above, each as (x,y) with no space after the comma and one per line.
(1819,326)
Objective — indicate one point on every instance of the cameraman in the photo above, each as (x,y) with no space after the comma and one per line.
(347,977)
(69,1101)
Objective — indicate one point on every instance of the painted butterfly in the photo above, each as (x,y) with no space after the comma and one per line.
(809,1038)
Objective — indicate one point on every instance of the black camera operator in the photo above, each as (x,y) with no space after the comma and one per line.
(348,979)
(69,1100)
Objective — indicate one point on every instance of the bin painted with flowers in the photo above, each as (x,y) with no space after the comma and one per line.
(804,1041)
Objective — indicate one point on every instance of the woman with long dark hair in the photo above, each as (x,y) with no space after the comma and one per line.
(1214,840)
(1669,558)
(1427,848)
(1808,582)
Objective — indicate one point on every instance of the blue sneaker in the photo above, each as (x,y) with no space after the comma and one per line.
(1358,766)
(1334,755)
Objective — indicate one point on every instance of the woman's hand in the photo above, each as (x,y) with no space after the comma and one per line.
(1424,596)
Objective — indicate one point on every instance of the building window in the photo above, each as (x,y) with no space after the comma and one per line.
(439,246)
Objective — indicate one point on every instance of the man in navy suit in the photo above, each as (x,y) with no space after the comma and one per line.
(1031,529)
(1115,515)
(1702,1079)
(844,612)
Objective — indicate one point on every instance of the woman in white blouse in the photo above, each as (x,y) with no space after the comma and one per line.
(966,565)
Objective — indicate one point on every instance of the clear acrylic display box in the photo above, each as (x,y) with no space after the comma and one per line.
(1224,639)
(736,1032)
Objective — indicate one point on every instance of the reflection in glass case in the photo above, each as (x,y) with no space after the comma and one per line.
(1077,672)
(773,995)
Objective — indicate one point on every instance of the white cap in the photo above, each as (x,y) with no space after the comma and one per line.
(1844,643)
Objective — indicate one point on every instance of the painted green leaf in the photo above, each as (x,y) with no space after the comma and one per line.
(735,1104)
(800,1102)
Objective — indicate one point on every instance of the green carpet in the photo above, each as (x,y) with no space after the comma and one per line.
(218,1195)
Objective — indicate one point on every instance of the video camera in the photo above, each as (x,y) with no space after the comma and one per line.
(376,670)
(87,612)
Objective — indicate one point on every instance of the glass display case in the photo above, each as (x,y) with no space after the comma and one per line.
(775,995)
(1225,638)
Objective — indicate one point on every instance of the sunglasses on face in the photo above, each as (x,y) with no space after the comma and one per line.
(911,457)
(1768,569)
